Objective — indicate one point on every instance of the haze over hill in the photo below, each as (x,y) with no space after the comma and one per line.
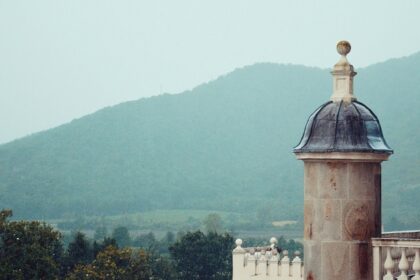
(61,60)
(225,145)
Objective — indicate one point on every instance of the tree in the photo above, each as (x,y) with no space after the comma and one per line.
(147,242)
(169,237)
(28,249)
(79,251)
(213,223)
(100,233)
(204,257)
(166,242)
(289,245)
(121,235)
(162,268)
(114,263)
(100,246)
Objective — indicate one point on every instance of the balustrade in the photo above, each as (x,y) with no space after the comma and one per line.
(265,263)
(396,258)
(393,259)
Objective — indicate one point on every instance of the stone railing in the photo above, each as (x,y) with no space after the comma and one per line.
(396,258)
(265,263)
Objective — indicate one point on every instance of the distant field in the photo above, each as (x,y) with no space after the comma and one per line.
(162,221)
(283,223)
(158,219)
(175,217)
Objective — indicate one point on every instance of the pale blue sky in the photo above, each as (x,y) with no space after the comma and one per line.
(60,60)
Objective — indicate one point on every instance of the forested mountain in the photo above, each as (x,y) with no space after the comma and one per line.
(224,145)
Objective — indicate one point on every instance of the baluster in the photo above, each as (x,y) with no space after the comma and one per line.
(272,260)
(396,257)
(252,261)
(273,264)
(388,265)
(410,253)
(403,266)
(377,262)
(416,265)
(297,266)
(239,260)
(285,265)
(262,263)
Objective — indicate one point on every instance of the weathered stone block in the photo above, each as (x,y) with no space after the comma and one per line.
(309,218)
(358,220)
(335,260)
(312,252)
(362,180)
(330,220)
(333,180)
(360,255)
(311,179)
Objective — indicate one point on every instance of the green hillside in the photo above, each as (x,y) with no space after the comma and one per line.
(225,145)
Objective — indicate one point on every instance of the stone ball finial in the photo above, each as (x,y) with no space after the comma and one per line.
(273,240)
(238,242)
(343,47)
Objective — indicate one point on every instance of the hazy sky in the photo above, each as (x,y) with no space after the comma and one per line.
(60,60)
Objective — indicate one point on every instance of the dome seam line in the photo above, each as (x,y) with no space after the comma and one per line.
(336,124)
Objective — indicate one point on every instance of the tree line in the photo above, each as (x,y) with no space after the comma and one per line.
(34,250)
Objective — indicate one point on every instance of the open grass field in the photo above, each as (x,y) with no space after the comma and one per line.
(161,221)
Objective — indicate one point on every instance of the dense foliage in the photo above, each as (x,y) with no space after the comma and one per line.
(28,249)
(114,263)
(203,257)
(33,250)
(225,145)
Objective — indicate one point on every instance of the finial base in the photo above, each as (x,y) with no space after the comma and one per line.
(343,74)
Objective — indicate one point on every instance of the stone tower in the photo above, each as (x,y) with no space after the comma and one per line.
(342,148)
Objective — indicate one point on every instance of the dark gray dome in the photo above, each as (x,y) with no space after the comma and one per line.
(343,127)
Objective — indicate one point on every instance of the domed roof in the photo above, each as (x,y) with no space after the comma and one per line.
(343,127)
(343,124)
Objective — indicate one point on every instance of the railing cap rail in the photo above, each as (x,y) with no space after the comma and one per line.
(396,242)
